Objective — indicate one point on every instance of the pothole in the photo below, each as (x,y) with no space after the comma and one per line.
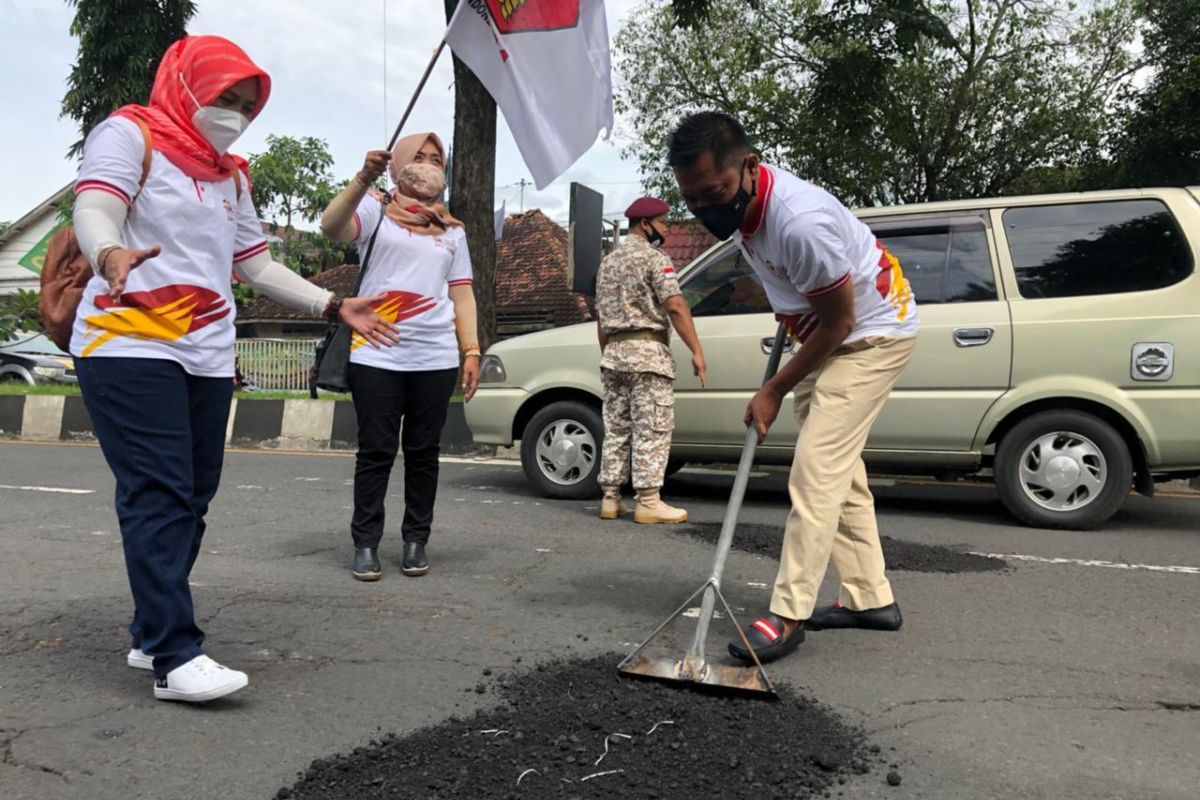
(574,729)
(900,555)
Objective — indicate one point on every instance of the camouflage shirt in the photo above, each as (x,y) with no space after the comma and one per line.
(634,282)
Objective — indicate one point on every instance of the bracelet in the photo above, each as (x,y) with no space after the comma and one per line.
(102,259)
(333,308)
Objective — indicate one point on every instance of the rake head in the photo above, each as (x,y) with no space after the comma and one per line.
(694,670)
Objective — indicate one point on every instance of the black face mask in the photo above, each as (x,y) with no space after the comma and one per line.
(724,219)
(655,236)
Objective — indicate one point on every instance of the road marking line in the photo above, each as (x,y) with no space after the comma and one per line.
(500,462)
(720,472)
(1089,562)
(55,489)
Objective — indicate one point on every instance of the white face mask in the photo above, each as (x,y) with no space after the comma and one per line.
(220,126)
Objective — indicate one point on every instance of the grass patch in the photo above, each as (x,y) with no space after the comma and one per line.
(269,395)
(11,388)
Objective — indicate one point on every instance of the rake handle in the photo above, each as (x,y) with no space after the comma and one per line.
(725,540)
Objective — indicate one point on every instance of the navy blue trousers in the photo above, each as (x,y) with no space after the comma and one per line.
(163,434)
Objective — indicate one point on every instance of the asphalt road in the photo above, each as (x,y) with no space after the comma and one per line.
(1049,680)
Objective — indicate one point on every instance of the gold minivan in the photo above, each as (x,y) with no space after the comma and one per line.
(1059,353)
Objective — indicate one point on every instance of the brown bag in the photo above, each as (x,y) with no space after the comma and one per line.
(66,272)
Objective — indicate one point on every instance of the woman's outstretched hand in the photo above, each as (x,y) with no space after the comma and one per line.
(119,262)
(358,313)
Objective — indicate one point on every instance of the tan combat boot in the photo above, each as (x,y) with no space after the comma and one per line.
(611,506)
(651,510)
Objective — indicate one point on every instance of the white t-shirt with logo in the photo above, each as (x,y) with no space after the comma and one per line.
(415,272)
(178,305)
(802,242)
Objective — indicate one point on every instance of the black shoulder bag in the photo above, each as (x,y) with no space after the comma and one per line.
(331,368)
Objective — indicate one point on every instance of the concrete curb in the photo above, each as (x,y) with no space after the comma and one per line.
(272,424)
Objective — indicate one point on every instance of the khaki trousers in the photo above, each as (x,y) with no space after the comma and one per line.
(833,512)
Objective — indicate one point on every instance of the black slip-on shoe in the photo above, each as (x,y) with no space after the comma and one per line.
(887,618)
(414,563)
(766,637)
(366,564)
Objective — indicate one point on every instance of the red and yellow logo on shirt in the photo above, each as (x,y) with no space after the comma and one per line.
(892,284)
(396,307)
(166,314)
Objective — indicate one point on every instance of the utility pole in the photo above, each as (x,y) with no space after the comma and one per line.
(523,183)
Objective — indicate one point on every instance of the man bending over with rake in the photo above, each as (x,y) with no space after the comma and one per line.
(845,300)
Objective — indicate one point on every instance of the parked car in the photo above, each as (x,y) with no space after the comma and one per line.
(32,359)
(1059,354)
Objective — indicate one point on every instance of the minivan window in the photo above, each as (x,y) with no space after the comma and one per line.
(1096,248)
(945,263)
(726,285)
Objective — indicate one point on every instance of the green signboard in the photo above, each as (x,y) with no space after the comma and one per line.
(36,256)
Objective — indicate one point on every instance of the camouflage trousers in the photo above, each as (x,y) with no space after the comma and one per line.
(639,415)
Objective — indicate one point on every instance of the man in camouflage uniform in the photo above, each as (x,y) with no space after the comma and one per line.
(637,299)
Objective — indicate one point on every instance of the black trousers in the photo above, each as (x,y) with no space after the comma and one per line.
(397,408)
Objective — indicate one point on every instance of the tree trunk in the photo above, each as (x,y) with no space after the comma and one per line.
(473,182)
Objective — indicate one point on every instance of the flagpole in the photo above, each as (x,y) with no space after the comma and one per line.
(417,93)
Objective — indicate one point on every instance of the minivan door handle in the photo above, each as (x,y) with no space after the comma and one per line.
(973,337)
(768,343)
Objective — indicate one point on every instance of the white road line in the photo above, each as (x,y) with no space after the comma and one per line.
(54,489)
(723,472)
(1089,562)
(499,462)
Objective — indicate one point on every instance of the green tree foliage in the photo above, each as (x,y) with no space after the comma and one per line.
(292,179)
(1160,142)
(884,102)
(19,312)
(120,45)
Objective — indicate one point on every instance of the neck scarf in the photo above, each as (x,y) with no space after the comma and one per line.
(209,65)
(427,217)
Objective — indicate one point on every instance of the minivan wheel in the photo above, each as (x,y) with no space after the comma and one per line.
(1063,469)
(560,450)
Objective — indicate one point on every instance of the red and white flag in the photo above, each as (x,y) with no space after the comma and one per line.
(546,64)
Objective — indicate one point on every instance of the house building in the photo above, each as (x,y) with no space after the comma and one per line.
(23,244)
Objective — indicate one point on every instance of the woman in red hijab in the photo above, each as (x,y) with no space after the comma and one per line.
(164,215)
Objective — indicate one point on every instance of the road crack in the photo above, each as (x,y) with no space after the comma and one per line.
(8,758)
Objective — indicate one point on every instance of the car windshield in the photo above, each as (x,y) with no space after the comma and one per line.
(32,343)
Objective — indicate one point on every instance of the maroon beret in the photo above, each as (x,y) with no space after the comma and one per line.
(647,208)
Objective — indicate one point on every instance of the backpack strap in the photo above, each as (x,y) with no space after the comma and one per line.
(237,182)
(148,155)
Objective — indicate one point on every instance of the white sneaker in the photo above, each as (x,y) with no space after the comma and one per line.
(139,660)
(199,681)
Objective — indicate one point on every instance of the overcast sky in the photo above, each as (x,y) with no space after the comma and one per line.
(326,61)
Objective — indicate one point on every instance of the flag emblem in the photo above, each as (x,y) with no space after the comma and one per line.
(517,16)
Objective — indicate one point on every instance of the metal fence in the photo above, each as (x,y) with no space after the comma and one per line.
(276,365)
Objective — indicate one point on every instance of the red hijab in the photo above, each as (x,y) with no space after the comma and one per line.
(209,65)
